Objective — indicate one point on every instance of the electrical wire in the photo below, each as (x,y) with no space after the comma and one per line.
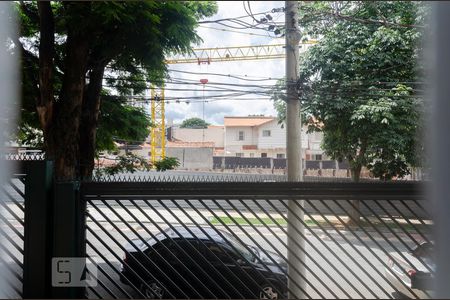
(322,94)
(234,18)
(243,25)
(249,13)
(206,90)
(172,80)
(224,75)
(234,31)
(344,84)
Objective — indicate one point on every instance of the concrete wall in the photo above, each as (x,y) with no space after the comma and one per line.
(192,158)
(213,134)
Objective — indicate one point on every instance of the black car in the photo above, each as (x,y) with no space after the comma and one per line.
(202,262)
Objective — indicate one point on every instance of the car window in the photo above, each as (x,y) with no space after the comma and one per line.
(240,247)
(215,252)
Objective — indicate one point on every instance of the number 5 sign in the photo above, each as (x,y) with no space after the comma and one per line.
(73,272)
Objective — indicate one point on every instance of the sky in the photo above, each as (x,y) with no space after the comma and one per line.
(214,111)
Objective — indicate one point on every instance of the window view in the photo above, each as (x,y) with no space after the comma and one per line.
(219,149)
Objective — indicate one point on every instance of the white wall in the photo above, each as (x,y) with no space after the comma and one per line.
(277,138)
(272,145)
(232,134)
(192,158)
(213,134)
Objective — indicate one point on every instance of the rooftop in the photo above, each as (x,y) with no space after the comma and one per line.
(247,121)
(181,144)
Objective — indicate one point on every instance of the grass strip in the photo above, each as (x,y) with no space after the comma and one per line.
(253,221)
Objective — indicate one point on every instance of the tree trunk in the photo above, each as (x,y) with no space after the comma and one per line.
(354,214)
(68,108)
(45,101)
(89,121)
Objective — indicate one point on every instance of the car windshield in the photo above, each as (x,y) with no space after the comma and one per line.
(240,247)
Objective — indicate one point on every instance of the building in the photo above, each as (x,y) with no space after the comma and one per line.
(248,136)
(213,134)
(264,136)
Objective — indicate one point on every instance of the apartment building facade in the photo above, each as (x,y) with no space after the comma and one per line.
(249,136)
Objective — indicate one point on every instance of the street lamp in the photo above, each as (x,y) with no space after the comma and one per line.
(203,81)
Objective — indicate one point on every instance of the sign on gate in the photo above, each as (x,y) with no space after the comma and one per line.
(73,272)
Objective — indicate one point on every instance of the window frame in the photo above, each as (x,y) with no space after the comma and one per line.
(239,135)
(267,131)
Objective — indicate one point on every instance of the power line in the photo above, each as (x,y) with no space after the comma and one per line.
(274,10)
(198,90)
(243,25)
(224,75)
(249,13)
(234,31)
(191,82)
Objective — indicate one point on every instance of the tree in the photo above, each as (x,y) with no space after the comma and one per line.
(75,43)
(120,121)
(194,123)
(359,85)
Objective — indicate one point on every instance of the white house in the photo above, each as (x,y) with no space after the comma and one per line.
(250,136)
(262,136)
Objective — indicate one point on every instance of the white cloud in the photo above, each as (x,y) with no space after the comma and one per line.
(214,111)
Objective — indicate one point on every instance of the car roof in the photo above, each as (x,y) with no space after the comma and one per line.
(178,233)
(195,232)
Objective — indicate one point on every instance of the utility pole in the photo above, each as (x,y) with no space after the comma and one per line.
(203,81)
(296,243)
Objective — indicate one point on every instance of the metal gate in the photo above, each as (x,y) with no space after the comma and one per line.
(230,239)
(12,210)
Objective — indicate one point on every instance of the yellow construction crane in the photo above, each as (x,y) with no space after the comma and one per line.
(219,54)
(158,140)
(204,56)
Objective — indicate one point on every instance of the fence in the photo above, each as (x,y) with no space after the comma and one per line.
(223,238)
(229,240)
(12,222)
(231,162)
(12,210)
